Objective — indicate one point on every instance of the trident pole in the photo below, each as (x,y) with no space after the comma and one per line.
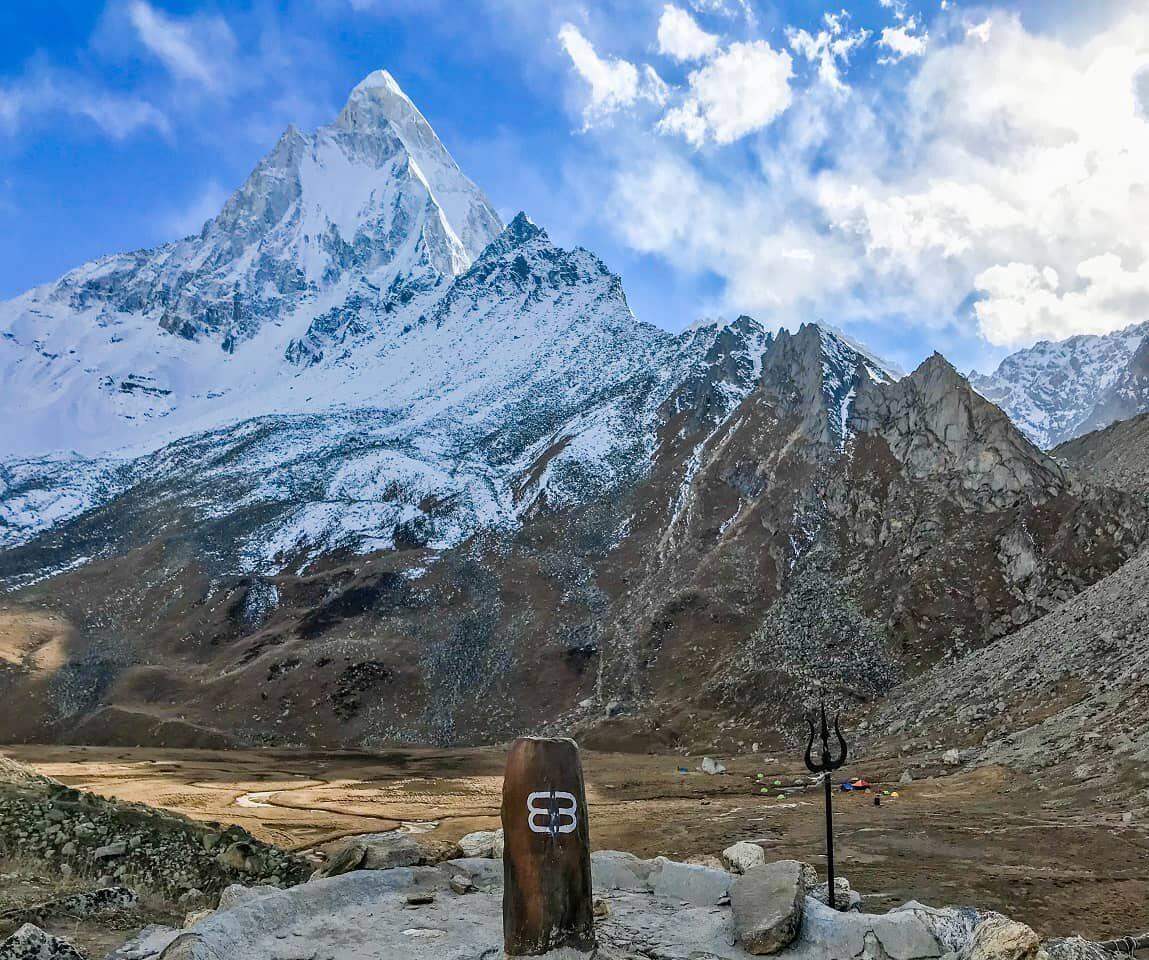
(831,897)
(825,766)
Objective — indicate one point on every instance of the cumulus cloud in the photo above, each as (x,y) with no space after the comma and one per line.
(681,38)
(1021,185)
(614,83)
(903,41)
(829,48)
(740,91)
(195,50)
(664,205)
(1023,303)
(996,186)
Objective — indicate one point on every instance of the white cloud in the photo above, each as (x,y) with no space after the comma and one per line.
(727,8)
(898,6)
(49,92)
(207,203)
(903,41)
(1021,168)
(195,50)
(663,205)
(681,38)
(1003,168)
(980,31)
(1023,304)
(829,47)
(740,91)
(614,83)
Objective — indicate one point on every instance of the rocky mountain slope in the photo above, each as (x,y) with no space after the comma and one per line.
(428,479)
(1064,696)
(1059,390)
(761,545)
(1117,456)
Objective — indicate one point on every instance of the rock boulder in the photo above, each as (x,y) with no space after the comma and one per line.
(482,843)
(999,938)
(768,903)
(32,943)
(741,856)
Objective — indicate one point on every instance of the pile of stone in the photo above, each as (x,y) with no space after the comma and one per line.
(658,908)
(32,943)
(88,903)
(397,848)
(387,895)
(79,834)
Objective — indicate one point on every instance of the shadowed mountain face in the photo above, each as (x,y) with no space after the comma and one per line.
(431,481)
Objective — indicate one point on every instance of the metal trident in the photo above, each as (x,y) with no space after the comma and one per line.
(827,764)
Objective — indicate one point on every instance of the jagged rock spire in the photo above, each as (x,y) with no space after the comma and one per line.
(939,428)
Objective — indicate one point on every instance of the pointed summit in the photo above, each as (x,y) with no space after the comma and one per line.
(814,375)
(378,105)
(379,94)
(942,431)
(522,229)
(519,232)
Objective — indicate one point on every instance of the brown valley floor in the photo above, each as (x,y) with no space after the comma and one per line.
(989,837)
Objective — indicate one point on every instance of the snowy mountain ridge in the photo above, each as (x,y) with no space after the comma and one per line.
(1057,390)
(355,355)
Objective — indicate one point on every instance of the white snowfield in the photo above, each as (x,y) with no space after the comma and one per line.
(368,214)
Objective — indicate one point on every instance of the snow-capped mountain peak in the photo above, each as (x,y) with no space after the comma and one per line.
(378,101)
(1057,390)
(364,217)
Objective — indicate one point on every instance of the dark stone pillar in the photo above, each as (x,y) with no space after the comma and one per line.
(547,899)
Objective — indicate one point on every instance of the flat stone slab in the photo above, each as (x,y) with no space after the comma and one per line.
(666,929)
(901,934)
(365,915)
(362,915)
(616,870)
(689,882)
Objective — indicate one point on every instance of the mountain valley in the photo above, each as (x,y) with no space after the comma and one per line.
(361,465)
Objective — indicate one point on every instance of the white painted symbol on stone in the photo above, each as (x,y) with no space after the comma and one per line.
(546,814)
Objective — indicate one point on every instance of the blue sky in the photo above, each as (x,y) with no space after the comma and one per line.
(938,175)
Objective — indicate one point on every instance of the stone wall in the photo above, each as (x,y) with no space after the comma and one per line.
(75,833)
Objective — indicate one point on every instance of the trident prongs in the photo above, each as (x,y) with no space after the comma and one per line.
(828,762)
